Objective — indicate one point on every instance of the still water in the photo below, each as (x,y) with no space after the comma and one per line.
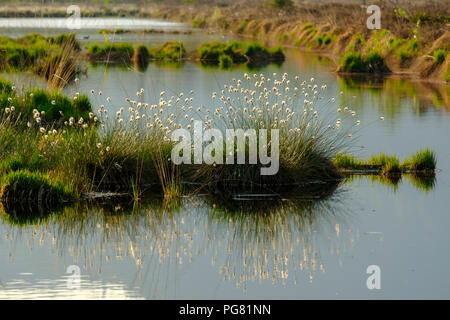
(295,248)
(66,24)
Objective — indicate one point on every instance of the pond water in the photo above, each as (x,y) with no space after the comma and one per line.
(24,25)
(201,248)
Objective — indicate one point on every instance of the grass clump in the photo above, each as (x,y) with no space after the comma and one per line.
(239,52)
(408,50)
(307,26)
(439,56)
(169,51)
(125,53)
(375,63)
(39,105)
(355,62)
(54,58)
(17,186)
(421,161)
(141,56)
(352,62)
(323,39)
(386,164)
(117,52)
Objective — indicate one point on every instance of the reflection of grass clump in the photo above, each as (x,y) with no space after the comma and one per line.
(225,61)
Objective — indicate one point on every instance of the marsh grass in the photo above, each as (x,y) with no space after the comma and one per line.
(26,105)
(121,52)
(23,185)
(124,52)
(355,62)
(407,50)
(140,57)
(439,56)
(131,151)
(307,142)
(169,51)
(216,53)
(421,162)
(54,58)
(62,67)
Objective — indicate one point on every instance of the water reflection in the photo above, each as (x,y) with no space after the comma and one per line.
(390,94)
(421,182)
(247,241)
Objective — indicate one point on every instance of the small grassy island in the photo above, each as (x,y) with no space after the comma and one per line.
(219,54)
(55,149)
(227,54)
